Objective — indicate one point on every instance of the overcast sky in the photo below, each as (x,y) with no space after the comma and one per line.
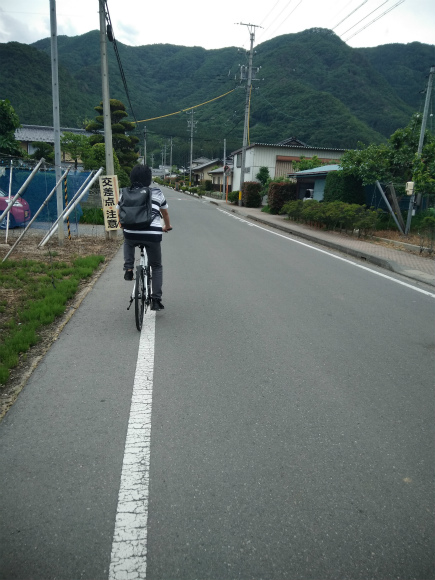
(212,25)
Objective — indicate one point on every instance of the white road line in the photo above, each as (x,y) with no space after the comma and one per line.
(425,292)
(129,547)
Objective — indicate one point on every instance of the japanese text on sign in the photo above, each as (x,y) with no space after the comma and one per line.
(109,200)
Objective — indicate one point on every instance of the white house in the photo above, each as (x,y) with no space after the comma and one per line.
(278,158)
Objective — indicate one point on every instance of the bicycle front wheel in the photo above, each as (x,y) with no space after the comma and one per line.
(139,297)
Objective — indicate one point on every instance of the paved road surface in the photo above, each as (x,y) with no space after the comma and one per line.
(292,429)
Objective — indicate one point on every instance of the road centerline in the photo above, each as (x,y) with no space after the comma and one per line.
(129,546)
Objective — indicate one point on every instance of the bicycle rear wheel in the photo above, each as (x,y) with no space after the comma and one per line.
(139,297)
(148,286)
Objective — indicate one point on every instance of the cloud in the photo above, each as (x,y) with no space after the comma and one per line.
(127,34)
(13,29)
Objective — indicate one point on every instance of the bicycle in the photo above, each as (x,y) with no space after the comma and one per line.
(141,293)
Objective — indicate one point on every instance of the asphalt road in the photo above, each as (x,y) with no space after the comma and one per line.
(292,427)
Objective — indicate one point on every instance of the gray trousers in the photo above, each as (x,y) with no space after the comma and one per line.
(154,253)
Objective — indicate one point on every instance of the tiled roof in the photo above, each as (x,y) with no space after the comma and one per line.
(308,147)
(209,162)
(40,133)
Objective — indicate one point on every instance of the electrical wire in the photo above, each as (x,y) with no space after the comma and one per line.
(112,39)
(369,14)
(374,20)
(187,108)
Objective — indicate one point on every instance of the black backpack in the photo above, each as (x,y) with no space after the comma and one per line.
(135,207)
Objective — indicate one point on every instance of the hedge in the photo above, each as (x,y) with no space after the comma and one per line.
(251,194)
(333,215)
(279,193)
(341,187)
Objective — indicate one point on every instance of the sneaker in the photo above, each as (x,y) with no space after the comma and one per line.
(156,304)
(128,275)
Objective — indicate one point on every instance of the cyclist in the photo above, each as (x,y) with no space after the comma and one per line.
(151,238)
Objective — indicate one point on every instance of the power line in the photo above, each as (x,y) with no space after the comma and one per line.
(111,37)
(369,14)
(375,19)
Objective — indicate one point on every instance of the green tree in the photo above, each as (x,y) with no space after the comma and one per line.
(263,176)
(9,121)
(95,157)
(45,150)
(307,163)
(396,161)
(342,187)
(123,144)
(76,145)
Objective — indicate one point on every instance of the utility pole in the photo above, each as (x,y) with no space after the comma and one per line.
(420,143)
(56,114)
(110,170)
(192,125)
(145,146)
(224,175)
(152,160)
(170,160)
(251,28)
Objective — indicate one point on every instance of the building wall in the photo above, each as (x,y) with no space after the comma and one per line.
(277,160)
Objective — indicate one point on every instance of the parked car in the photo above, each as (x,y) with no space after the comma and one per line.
(19,215)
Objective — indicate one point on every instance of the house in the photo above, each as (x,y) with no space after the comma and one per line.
(312,180)
(27,134)
(198,161)
(217,177)
(278,158)
(201,172)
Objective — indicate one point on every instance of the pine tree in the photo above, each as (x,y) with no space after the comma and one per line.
(123,144)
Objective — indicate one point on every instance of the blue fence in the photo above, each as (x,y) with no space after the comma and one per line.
(39,188)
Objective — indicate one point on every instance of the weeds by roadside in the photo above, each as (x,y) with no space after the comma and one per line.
(33,294)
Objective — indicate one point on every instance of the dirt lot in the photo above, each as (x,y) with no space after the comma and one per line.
(27,248)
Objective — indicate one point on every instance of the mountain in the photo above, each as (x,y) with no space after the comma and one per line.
(311,85)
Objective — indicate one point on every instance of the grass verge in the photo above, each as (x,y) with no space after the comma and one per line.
(34,294)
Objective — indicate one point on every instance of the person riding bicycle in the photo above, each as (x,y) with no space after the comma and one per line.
(150,237)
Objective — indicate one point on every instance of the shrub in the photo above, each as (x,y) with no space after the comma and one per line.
(312,212)
(208,184)
(333,215)
(251,194)
(341,187)
(92,215)
(279,193)
(293,209)
(233,196)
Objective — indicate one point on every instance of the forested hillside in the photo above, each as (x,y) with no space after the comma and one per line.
(311,85)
